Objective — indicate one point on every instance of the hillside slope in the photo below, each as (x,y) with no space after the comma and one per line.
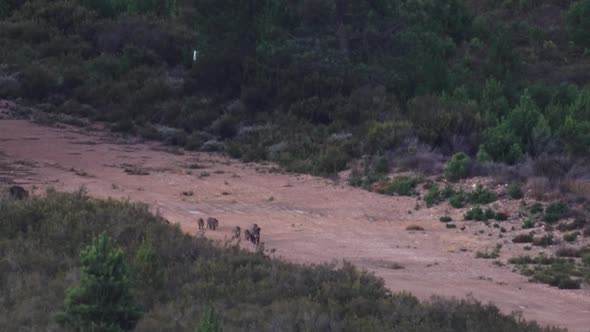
(303,219)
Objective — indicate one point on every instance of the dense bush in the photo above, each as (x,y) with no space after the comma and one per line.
(445,219)
(458,167)
(458,199)
(481,195)
(528,223)
(433,196)
(400,185)
(554,212)
(563,273)
(514,191)
(44,236)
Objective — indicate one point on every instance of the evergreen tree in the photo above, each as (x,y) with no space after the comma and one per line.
(103,300)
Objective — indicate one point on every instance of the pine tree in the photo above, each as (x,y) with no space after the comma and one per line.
(103,301)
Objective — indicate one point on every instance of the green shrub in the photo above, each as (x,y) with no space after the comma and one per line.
(147,268)
(528,223)
(332,159)
(475,213)
(402,185)
(481,195)
(536,208)
(489,214)
(557,272)
(501,216)
(515,192)
(447,192)
(554,212)
(459,167)
(501,145)
(570,237)
(458,200)
(445,219)
(433,196)
(382,166)
(569,283)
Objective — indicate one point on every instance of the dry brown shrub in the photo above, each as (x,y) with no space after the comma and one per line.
(579,187)
(538,187)
(567,251)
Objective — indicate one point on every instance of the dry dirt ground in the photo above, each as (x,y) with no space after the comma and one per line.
(305,219)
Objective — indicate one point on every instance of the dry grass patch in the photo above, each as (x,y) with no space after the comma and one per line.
(538,187)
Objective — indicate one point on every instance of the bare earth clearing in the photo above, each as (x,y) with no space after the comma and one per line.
(306,219)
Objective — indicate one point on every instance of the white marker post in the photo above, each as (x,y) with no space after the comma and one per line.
(194,55)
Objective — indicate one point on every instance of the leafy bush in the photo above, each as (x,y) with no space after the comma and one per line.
(570,237)
(459,167)
(528,223)
(554,212)
(447,192)
(475,213)
(433,196)
(536,208)
(481,195)
(515,192)
(489,214)
(401,185)
(501,145)
(457,200)
(445,219)
(501,216)
(557,272)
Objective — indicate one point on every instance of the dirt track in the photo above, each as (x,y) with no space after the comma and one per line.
(306,219)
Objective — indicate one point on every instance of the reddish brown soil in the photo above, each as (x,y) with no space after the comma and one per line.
(305,219)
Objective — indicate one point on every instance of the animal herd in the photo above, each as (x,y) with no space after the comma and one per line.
(252,233)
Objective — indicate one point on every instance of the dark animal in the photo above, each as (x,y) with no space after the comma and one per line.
(18,192)
(212,223)
(253,234)
(201,223)
(237,232)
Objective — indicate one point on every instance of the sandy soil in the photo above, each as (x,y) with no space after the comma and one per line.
(305,219)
